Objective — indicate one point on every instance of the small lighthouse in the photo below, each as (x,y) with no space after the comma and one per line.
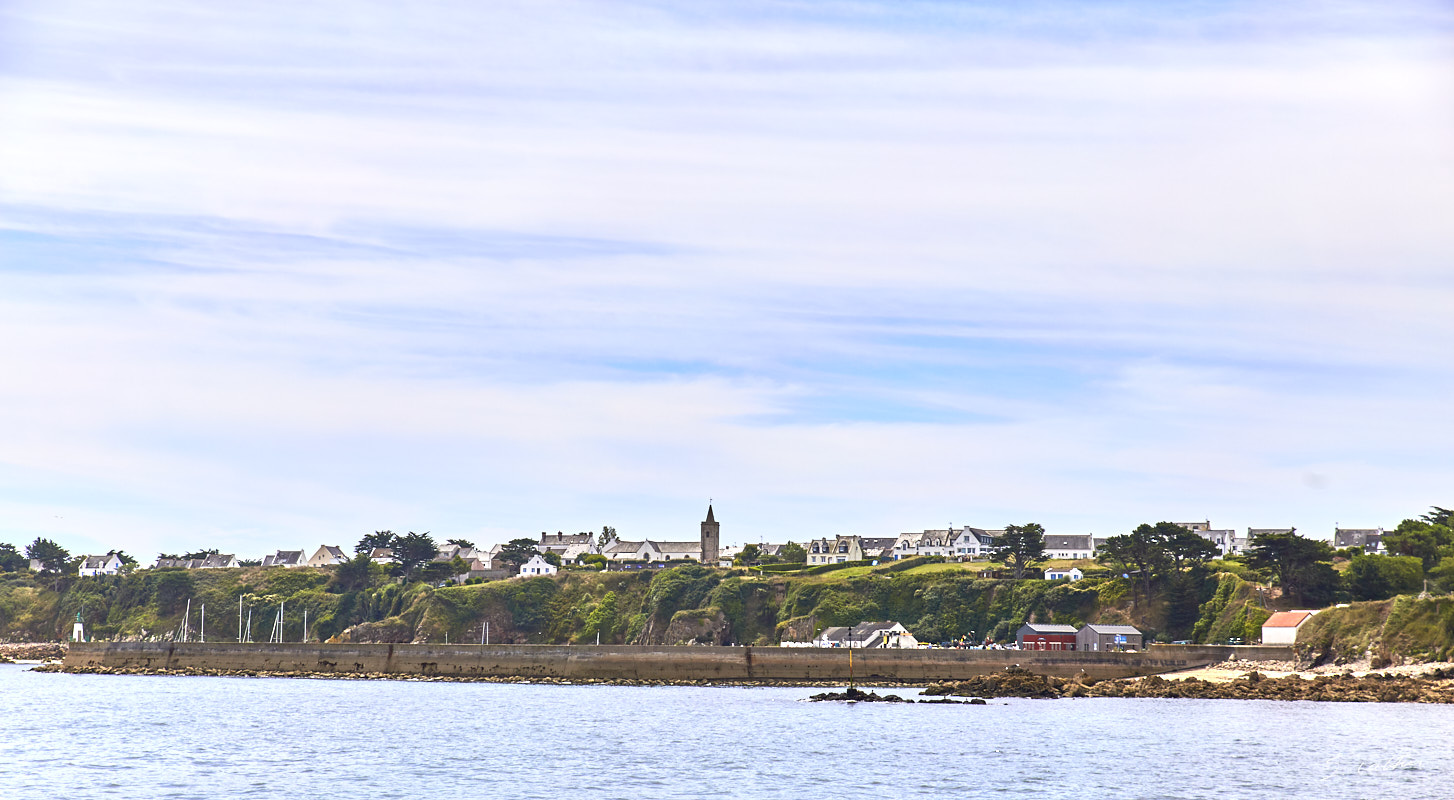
(78,632)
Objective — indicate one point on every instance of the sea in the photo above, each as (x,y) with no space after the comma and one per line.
(106,736)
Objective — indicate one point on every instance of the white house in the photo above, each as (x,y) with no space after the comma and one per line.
(972,543)
(109,564)
(1071,574)
(537,565)
(328,556)
(285,558)
(867,635)
(1069,546)
(1282,627)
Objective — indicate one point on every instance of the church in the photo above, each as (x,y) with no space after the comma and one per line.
(705,550)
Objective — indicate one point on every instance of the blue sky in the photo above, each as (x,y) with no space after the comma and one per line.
(273,276)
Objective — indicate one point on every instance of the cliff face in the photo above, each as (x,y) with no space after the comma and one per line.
(1384,632)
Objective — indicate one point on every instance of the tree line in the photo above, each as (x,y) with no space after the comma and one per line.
(1420,552)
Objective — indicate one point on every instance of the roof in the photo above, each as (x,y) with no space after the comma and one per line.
(678,547)
(1062,541)
(858,633)
(710,518)
(1286,619)
(96,562)
(1116,629)
(864,629)
(1040,627)
(565,538)
(624,547)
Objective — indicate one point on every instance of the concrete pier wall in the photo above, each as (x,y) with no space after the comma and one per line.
(607,662)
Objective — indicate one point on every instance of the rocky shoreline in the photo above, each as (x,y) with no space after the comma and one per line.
(31,651)
(1433,687)
(1436,686)
(395,676)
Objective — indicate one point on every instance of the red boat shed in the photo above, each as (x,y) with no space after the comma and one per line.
(1038,636)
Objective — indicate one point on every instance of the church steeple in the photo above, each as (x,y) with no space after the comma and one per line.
(711,537)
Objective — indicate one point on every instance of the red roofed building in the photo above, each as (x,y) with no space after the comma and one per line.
(1282,627)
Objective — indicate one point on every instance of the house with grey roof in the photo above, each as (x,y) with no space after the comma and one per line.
(1370,539)
(1098,638)
(1069,546)
(91,566)
(286,558)
(880,635)
(1227,542)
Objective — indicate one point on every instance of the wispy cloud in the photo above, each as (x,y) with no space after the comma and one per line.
(279,273)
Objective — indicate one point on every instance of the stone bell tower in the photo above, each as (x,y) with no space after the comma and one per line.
(711,537)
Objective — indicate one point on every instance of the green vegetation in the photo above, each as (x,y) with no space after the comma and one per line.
(1020,546)
(1159,578)
(1386,631)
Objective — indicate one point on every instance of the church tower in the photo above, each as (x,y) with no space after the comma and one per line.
(711,537)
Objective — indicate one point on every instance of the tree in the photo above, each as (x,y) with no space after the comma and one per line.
(356,573)
(375,539)
(411,550)
(1185,548)
(1137,555)
(201,554)
(459,542)
(605,536)
(1294,561)
(552,558)
(128,564)
(594,560)
(1439,516)
(749,556)
(441,571)
(1021,546)
(1420,538)
(516,552)
(52,557)
(10,559)
(1382,577)
(794,553)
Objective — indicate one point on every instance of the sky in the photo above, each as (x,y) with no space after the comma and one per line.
(276,275)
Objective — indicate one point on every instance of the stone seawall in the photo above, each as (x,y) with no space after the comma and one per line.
(632,663)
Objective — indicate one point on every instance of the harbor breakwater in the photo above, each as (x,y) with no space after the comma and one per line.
(643,663)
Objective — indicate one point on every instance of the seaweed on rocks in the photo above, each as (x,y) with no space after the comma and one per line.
(854,695)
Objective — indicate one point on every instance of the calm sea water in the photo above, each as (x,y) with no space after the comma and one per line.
(79,736)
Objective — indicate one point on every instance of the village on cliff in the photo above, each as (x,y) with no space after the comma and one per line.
(523,558)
